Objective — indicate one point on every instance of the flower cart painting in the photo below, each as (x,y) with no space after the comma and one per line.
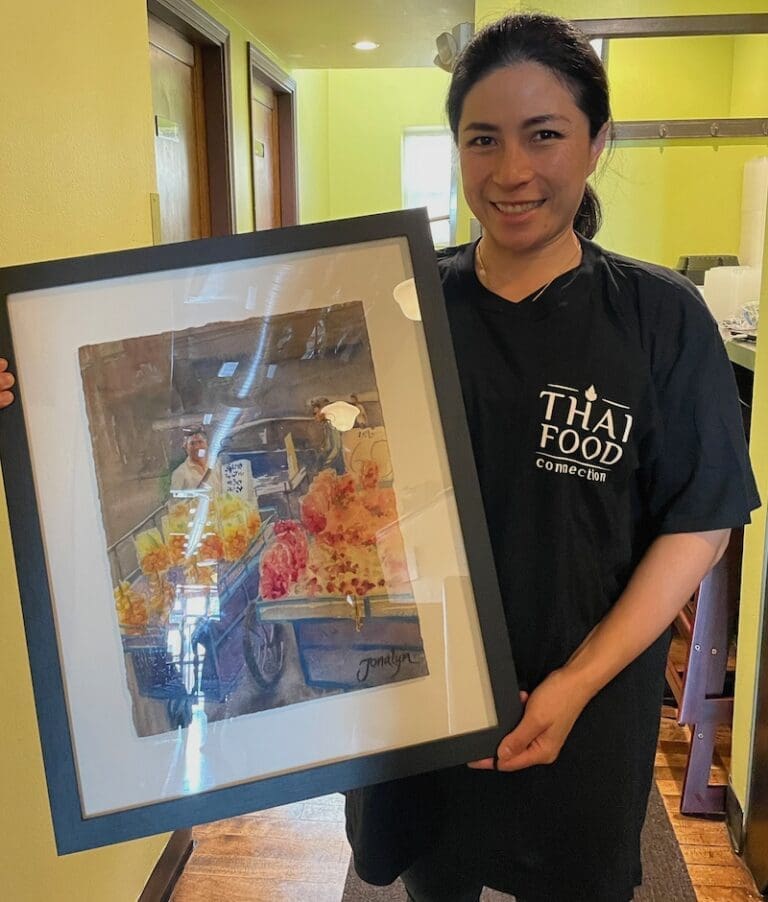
(252,533)
(250,544)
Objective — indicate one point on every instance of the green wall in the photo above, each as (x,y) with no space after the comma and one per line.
(351,123)
(313,124)
(750,75)
(685,196)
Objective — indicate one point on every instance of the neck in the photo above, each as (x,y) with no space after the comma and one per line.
(199,463)
(515,275)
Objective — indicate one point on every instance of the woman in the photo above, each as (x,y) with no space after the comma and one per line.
(612,463)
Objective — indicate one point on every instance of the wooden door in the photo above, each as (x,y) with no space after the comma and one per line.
(266,156)
(180,158)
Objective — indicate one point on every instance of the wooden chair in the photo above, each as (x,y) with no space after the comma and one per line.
(699,686)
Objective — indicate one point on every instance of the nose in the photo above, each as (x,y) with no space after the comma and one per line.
(513,166)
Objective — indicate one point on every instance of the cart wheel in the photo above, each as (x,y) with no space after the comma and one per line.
(263,648)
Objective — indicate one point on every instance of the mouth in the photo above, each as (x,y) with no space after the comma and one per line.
(523,207)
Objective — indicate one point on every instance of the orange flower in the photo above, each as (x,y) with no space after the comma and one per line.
(161,600)
(131,609)
(369,474)
(236,542)
(254,523)
(156,561)
(211,548)
(177,548)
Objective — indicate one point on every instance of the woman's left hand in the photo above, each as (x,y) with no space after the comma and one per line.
(549,715)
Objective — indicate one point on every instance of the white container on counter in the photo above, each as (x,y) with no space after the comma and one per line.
(726,288)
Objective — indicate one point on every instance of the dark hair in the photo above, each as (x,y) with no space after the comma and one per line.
(551,42)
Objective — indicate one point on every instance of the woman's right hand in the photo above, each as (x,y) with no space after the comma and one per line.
(6,383)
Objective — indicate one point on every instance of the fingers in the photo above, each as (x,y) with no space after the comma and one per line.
(483,764)
(6,383)
(529,728)
(529,757)
(494,763)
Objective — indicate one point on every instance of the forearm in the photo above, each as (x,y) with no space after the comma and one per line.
(663,581)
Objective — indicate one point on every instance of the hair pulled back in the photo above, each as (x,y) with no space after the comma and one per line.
(565,51)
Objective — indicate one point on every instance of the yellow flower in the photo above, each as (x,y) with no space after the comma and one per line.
(148,541)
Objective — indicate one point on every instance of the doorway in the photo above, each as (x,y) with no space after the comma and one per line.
(189,65)
(180,156)
(273,143)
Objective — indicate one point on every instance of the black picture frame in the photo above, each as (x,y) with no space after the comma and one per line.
(73,830)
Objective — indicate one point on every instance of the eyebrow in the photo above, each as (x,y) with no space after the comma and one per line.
(480,127)
(533,120)
(545,117)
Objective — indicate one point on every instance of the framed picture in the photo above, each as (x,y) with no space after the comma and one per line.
(253,561)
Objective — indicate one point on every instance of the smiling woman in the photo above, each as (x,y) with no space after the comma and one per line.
(610,451)
(526,152)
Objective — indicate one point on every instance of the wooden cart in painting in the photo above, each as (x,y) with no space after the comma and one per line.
(295,599)
(336,579)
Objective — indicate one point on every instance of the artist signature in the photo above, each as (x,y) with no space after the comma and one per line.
(392,660)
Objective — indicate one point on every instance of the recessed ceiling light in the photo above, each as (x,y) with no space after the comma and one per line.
(365,45)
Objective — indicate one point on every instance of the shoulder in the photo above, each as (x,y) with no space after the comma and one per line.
(456,268)
(666,307)
(452,261)
(651,284)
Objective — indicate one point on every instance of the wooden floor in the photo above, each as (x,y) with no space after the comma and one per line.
(716,872)
(299,853)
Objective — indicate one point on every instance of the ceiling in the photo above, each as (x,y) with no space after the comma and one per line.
(319,34)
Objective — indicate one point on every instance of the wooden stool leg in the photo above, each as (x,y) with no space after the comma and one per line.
(699,797)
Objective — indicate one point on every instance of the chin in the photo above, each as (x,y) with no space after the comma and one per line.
(523,240)
(516,243)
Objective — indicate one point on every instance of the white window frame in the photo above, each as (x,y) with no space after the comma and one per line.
(425,130)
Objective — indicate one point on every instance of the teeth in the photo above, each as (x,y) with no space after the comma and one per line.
(518,208)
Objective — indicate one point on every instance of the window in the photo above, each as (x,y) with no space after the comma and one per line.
(429,180)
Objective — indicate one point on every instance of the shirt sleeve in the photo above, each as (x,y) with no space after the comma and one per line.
(699,477)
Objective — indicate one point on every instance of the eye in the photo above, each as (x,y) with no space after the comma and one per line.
(546,134)
(481,141)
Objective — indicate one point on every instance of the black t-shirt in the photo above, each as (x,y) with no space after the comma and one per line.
(603,413)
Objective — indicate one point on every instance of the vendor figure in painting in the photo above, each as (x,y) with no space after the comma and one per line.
(195,469)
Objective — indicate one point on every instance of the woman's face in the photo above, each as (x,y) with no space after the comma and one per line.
(525,155)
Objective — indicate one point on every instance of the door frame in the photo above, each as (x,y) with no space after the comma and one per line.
(268,72)
(213,41)
(753,822)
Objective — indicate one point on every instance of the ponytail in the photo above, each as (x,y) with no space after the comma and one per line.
(589,216)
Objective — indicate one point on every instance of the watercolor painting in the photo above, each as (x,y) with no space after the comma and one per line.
(250,516)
